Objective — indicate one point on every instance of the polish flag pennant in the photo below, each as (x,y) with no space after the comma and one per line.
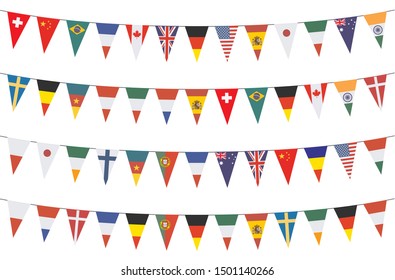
(47,153)
(47,216)
(77,219)
(17,25)
(107,222)
(47,27)
(107,96)
(137,35)
(17,212)
(226,98)
(17,150)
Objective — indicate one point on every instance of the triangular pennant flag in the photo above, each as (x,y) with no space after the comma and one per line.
(137,35)
(256,97)
(196,98)
(77,157)
(17,212)
(316,30)
(107,159)
(226,35)
(256,160)
(166,99)
(17,150)
(166,224)
(107,222)
(17,88)
(166,160)
(376,86)
(316,157)
(17,25)
(256,34)
(196,225)
(346,153)
(346,27)
(196,35)
(107,33)
(77,220)
(376,211)
(47,28)
(167,35)
(47,153)
(47,216)
(226,98)
(77,30)
(286,95)
(347,90)
(107,96)
(286,158)
(346,217)
(256,224)
(196,161)
(136,98)
(316,219)
(376,147)
(226,161)
(136,162)
(286,32)
(226,225)
(376,23)
(47,90)
(77,94)
(136,224)
(316,94)
(286,221)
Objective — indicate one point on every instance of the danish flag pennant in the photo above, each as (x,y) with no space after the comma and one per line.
(376,86)
(17,25)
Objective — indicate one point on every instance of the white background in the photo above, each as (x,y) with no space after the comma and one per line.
(26,256)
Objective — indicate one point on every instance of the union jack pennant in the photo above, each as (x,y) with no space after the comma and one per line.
(220,155)
(340,22)
(256,160)
(167,35)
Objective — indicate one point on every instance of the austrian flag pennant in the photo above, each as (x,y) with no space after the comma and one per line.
(17,25)
(226,98)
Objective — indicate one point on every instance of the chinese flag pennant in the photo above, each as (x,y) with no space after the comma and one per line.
(346,153)
(286,221)
(316,220)
(167,36)
(107,222)
(136,224)
(376,86)
(77,94)
(316,94)
(286,32)
(196,35)
(47,216)
(166,99)
(77,219)
(47,27)
(107,96)
(17,150)
(316,29)
(346,27)
(226,35)
(256,161)
(286,95)
(17,87)
(376,211)
(226,98)
(107,33)
(256,34)
(166,161)
(137,97)
(256,224)
(226,161)
(17,24)
(137,35)
(47,90)
(196,161)
(136,162)
(347,90)
(166,224)
(47,153)
(196,224)
(376,147)
(196,98)
(286,158)
(376,23)
(256,97)
(226,225)
(17,212)
(77,157)
(77,30)
(346,217)
(316,157)
(107,159)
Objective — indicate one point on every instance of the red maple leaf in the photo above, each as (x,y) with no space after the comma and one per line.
(316,92)
(136,34)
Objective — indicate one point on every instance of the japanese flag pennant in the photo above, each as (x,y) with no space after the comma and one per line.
(256,224)
(137,35)
(17,150)
(256,161)
(107,222)
(226,98)
(17,24)
(376,86)
(316,220)
(47,153)
(286,158)
(226,225)
(77,219)
(196,35)
(226,161)
(47,216)
(376,211)
(17,212)
(47,27)
(256,34)
(136,162)
(346,217)
(286,32)
(136,224)
(196,161)
(166,224)
(226,35)
(196,98)
(166,99)
(346,153)
(316,94)
(196,224)
(166,161)
(107,96)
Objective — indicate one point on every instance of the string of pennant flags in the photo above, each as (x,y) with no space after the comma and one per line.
(197,97)
(197,34)
(226,159)
(196,223)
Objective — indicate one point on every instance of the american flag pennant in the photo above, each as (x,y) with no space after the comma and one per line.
(226,35)
(346,153)
(167,36)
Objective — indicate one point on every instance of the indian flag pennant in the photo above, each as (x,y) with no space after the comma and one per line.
(376,147)
(376,86)
(256,224)
(107,222)
(47,153)
(136,224)
(166,161)
(17,150)
(77,157)
(166,99)
(286,222)
(196,161)
(316,30)
(47,216)
(346,217)
(376,211)
(47,90)
(316,94)
(316,157)
(17,87)
(77,219)
(17,212)
(107,96)
(376,23)
(166,224)
(196,224)
(226,225)
(107,33)
(316,220)
(136,162)
(256,34)
(196,98)
(347,90)
(77,94)
(137,97)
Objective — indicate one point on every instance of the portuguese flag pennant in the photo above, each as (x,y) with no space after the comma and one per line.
(196,35)
(17,213)
(226,225)
(346,217)
(376,212)
(166,161)
(316,220)
(136,224)
(256,224)
(166,224)
(136,162)
(196,225)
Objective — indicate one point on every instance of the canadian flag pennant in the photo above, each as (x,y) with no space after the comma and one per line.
(47,27)
(137,35)
(226,98)
(316,94)
(17,25)
(17,150)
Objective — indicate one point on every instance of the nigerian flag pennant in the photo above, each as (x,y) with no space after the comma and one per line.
(226,225)
(346,153)
(286,158)
(256,224)
(167,36)
(226,98)
(166,225)
(107,222)
(226,35)
(196,98)
(77,219)
(196,35)
(286,221)
(77,30)
(346,27)
(316,220)
(17,150)
(137,35)
(47,27)
(226,161)
(316,157)
(17,87)
(256,97)
(137,97)
(136,224)
(316,94)
(107,159)
(136,162)
(47,153)
(376,211)
(286,95)
(107,33)
(376,23)
(47,90)
(77,157)
(17,212)
(256,34)
(376,86)
(376,147)
(256,161)
(286,32)
(77,94)
(166,99)
(346,217)
(347,90)
(17,24)
(166,161)
(47,216)
(196,224)
(107,96)
(196,161)
(316,30)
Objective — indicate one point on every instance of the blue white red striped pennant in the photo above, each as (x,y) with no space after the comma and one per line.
(107,33)
(107,222)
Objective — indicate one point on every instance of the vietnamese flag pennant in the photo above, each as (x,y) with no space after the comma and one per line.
(196,161)
(47,90)
(316,157)
(256,97)
(17,150)
(77,30)
(107,222)
(346,27)
(287,32)
(376,211)
(167,36)
(376,23)
(107,96)
(316,29)
(256,224)
(286,95)
(226,35)
(166,99)
(166,161)
(17,24)
(376,147)
(226,98)
(136,224)
(17,87)
(107,159)
(196,35)
(77,157)
(256,161)
(137,35)
(347,90)
(346,153)
(316,220)
(77,219)
(47,27)
(256,34)
(286,158)
(136,162)
(316,94)
(226,161)
(166,224)
(47,153)
(77,93)
(107,33)
(47,216)
(17,212)
(137,97)
(376,86)
(286,221)
(226,225)
(196,224)
(196,98)
(346,217)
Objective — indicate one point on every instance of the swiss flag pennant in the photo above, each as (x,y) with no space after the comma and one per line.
(17,24)
(47,28)
(226,98)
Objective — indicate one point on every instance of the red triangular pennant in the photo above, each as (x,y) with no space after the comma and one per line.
(17,25)
(47,28)
(226,98)
(286,158)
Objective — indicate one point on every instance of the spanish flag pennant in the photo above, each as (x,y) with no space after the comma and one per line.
(17,24)
(226,225)
(136,224)
(316,29)
(137,35)
(286,158)
(196,35)
(47,90)
(17,213)
(226,98)
(286,95)
(346,217)
(166,224)
(196,161)
(77,94)
(347,90)
(196,225)
(316,93)
(196,98)
(316,220)
(166,161)
(77,30)
(17,87)
(286,222)
(376,211)
(256,224)
(77,219)
(107,96)
(376,147)
(256,34)
(47,216)
(107,33)
(107,222)
(376,23)
(166,99)
(77,157)
(376,86)
(136,162)
(47,27)
(137,97)
(256,97)
(17,150)
(316,157)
